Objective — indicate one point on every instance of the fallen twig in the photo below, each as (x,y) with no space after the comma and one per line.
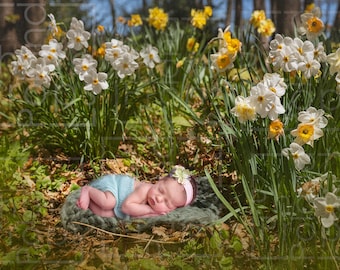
(124,235)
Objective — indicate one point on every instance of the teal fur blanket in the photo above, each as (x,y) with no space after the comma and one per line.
(205,210)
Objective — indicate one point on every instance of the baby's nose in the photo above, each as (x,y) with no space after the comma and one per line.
(159,198)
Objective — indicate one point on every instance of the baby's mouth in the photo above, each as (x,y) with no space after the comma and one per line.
(151,201)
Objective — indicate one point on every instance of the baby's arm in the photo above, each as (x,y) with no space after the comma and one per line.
(135,204)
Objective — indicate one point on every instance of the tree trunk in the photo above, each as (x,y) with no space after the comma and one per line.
(31,30)
(259,5)
(9,40)
(307,2)
(113,15)
(335,32)
(228,12)
(20,24)
(144,7)
(336,23)
(286,13)
(238,14)
(198,4)
(273,11)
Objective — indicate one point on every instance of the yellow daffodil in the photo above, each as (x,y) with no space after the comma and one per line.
(180,63)
(256,17)
(242,74)
(101,50)
(225,40)
(275,129)
(198,18)
(100,28)
(309,7)
(234,45)
(135,20)
(192,45)
(121,20)
(58,34)
(266,28)
(208,11)
(158,18)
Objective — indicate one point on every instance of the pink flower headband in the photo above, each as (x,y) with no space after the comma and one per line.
(183,176)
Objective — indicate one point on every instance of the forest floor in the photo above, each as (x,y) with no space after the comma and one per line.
(99,249)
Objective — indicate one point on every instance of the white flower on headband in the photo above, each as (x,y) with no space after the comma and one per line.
(181,174)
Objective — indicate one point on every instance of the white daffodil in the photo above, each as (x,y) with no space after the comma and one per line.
(19,67)
(96,82)
(279,42)
(319,53)
(325,209)
(333,60)
(337,79)
(309,66)
(276,109)
(83,65)
(25,54)
(77,36)
(243,110)
(40,71)
(306,133)
(150,56)
(23,63)
(303,48)
(114,43)
(113,54)
(289,59)
(125,65)
(310,190)
(220,36)
(275,83)
(311,24)
(52,25)
(52,52)
(262,99)
(181,174)
(277,45)
(313,116)
(222,60)
(298,154)
(133,53)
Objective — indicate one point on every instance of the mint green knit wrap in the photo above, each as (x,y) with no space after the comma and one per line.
(205,210)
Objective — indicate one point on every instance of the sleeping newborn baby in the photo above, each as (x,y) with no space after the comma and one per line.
(121,196)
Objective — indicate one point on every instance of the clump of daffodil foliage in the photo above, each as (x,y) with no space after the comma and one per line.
(271,110)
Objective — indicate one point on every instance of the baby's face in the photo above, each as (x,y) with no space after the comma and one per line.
(166,195)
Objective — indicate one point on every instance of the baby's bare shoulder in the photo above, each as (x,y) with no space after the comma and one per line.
(139,185)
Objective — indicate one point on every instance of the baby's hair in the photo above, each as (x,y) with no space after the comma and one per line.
(194,187)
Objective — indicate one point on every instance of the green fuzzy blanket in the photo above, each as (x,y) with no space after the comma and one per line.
(205,210)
